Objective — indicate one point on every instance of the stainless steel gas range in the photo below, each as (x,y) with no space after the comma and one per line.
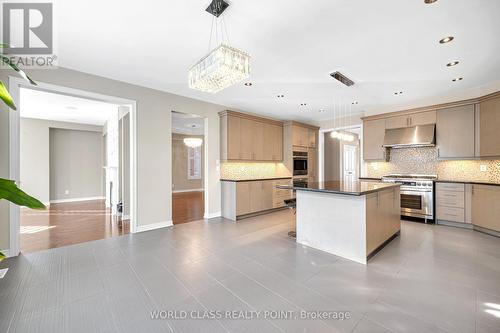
(417,194)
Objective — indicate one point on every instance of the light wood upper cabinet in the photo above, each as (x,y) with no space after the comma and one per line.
(423,118)
(257,141)
(410,120)
(300,136)
(373,138)
(312,138)
(455,132)
(488,121)
(250,138)
(273,142)
(485,207)
(246,139)
(397,122)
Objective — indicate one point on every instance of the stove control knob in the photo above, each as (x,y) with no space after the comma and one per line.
(419,184)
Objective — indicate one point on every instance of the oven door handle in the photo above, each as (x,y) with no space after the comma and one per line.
(416,191)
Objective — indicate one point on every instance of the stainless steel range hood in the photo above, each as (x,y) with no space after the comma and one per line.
(417,136)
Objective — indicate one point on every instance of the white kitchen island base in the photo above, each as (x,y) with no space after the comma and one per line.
(350,226)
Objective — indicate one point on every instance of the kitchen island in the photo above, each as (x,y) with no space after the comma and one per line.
(352,220)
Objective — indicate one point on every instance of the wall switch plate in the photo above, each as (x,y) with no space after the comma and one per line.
(483,168)
(3,272)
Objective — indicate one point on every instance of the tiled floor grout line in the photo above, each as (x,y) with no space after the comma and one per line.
(190,293)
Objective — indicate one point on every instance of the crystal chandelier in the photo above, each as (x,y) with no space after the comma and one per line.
(193,142)
(224,65)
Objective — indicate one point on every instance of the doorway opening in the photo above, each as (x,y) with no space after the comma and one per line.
(339,159)
(188,167)
(75,152)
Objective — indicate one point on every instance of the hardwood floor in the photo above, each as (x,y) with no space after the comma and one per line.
(187,206)
(68,223)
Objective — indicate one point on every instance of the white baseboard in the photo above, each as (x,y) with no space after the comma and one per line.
(77,199)
(7,253)
(153,226)
(192,190)
(212,215)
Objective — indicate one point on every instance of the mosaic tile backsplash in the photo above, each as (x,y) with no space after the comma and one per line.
(240,171)
(424,161)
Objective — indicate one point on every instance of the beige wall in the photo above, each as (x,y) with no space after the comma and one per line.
(35,153)
(180,181)
(154,179)
(75,164)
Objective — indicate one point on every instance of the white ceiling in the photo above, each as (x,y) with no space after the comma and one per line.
(190,124)
(384,46)
(49,106)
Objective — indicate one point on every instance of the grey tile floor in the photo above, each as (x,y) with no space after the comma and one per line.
(431,279)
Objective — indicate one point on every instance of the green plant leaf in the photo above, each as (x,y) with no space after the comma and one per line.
(5,96)
(10,192)
(2,256)
(12,65)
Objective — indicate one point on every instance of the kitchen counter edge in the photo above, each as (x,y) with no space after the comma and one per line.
(252,180)
(466,182)
(357,194)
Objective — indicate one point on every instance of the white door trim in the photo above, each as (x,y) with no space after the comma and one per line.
(15,84)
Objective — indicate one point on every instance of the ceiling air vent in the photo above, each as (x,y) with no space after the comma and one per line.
(342,78)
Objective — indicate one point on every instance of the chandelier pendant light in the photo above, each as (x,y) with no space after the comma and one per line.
(224,65)
(193,142)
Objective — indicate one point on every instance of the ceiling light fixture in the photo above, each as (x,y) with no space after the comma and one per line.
(446,40)
(71,108)
(458,79)
(280,96)
(429,1)
(303,104)
(321,110)
(193,142)
(248,84)
(453,63)
(223,66)
(355,103)
(398,93)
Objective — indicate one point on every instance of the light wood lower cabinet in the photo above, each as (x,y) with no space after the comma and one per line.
(382,217)
(486,207)
(249,197)
(450,203)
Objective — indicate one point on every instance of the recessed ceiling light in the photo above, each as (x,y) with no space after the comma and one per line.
(303,104)
(355,103)
(280,96)
(458,79)
(453,63)
(446,40)
(429,1)
(398,93)
(248,84)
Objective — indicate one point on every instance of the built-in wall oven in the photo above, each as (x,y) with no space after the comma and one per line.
(417,194)
(300,163)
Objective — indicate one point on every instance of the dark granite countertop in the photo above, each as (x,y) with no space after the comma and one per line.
(466,182)
(355,188)
(251,180)
(370,178)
